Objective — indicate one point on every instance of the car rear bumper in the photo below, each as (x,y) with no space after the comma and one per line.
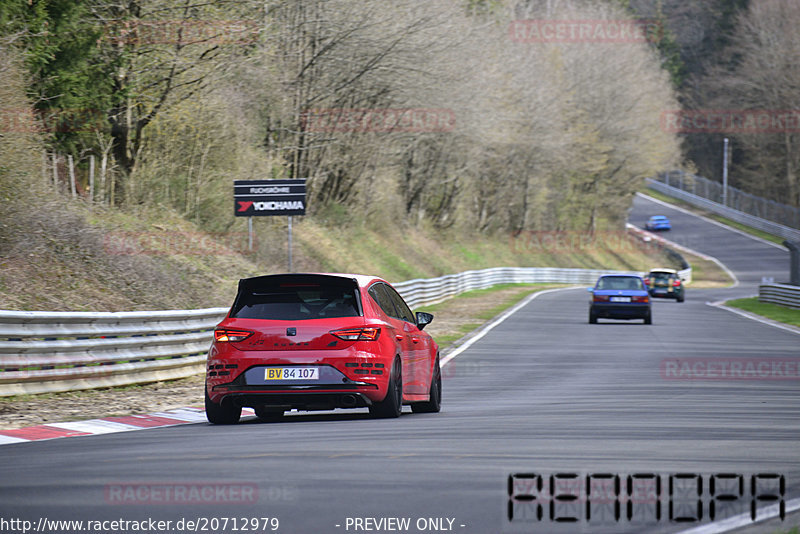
(243,374)
(299,400)
(666,294)
(618,310)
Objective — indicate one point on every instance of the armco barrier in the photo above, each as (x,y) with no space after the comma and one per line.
(44,352)
(785,232)
(782,294)
(65,351)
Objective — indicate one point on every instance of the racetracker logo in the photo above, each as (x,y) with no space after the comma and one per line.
(176,243)
(586,31)
(414,120)
(731,122)
(730,369)
(48,121)
(182,493)
(181,32)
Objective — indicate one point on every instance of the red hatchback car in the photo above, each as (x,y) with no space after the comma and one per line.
(319,342)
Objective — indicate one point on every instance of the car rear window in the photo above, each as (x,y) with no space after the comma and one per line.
(660,276)
(287,298)
(620,283)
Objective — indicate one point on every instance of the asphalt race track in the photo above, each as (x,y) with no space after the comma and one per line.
(543,393)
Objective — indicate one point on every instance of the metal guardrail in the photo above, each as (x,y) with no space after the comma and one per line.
(782,294)
(735,215)
(430,290)
(42,352)
(733,198)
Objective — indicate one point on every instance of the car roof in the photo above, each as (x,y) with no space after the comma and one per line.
(660,270)
(360,279)
(620,276)
(658,217)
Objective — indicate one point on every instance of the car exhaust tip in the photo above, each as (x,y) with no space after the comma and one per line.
(347,401)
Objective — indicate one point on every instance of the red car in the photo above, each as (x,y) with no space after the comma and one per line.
(319,342)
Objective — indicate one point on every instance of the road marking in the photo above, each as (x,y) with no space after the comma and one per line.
(690,251)
(743,520)
(752,316)
(712,221)
(486,329)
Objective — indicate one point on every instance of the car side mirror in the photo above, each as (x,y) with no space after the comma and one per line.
(590,289)
(424,319)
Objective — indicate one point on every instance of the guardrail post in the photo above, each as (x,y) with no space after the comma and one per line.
(794,262)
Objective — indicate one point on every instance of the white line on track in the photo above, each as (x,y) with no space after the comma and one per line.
(486,329)
(743,520)
(754,317)
(690,251)
(712,221)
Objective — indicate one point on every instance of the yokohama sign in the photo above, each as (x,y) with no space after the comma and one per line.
(253,198)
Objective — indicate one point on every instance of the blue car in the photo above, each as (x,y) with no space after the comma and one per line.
(657,223)
(620,296)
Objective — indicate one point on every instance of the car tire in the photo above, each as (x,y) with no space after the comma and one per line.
(223,413)
(648,319)
(680,299)
(592,317)
(392,405)
(435,402)
(267,414)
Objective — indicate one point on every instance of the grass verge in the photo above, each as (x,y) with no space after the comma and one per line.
(775,312)
(462,314)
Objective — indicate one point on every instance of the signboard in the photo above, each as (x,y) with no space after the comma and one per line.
(254,198)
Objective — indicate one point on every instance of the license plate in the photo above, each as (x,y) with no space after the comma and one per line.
(291,373)
(620,299)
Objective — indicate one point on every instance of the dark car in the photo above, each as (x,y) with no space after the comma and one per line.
(620,296)
(658,223)
(319,342)
(665,283)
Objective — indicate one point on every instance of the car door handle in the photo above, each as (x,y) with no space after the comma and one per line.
(415,339)
(398,337)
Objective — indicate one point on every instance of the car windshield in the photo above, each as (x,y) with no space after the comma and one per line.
(301,299)
(620,283)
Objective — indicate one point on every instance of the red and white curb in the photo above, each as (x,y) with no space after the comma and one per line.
(107,425)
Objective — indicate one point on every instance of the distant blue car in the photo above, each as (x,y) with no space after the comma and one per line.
(620,296)
(657,223)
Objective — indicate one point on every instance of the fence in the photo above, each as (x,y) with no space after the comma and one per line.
(737,199)
(735,215)
(65,351)
(785,295)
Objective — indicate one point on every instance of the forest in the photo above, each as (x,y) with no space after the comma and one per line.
(450,120)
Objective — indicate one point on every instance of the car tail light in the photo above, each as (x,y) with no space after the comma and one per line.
(642,298)
(601,298)
(230,335)
(357,334)
(676,283)
(647,281)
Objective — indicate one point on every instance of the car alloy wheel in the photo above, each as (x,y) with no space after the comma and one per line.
(225,413)
(435,402)
(392,405)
